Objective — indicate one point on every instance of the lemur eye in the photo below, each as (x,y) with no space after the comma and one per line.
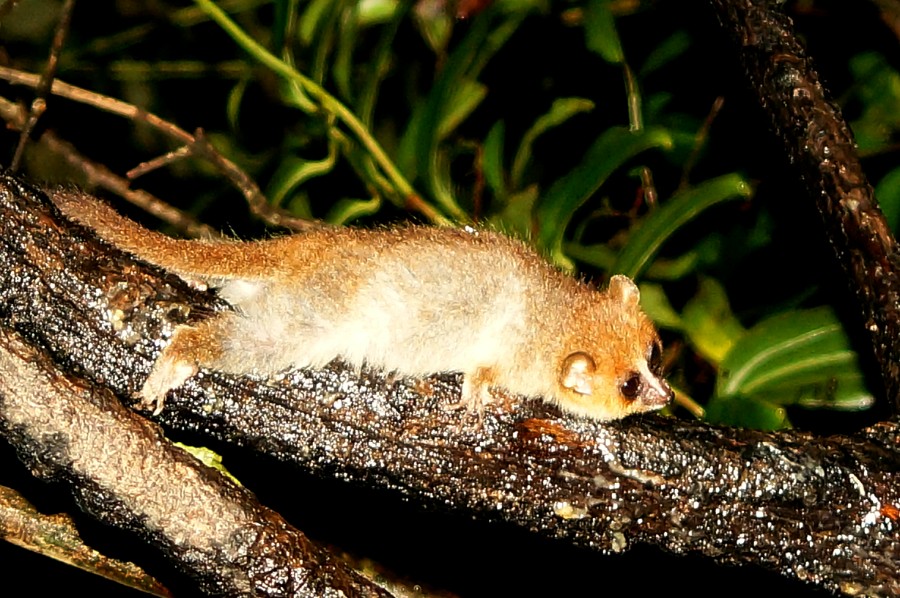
(654,359)
(632,386)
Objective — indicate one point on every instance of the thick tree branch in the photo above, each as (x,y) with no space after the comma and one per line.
(821,510)
(118,465)
(821,148)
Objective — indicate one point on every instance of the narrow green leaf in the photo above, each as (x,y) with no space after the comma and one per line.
(515,218)
(488,32)
(600,32)
(376,12)
(492,159)
(665,52)
(348,36)
(294,171)
(346,210)
(747,413)
(659,225)
(312,18)
(562,110)
(845,391)
(465,97)
(609,152)
(656,305)
(888,193)
(789,353)
(709,323)
(235,98)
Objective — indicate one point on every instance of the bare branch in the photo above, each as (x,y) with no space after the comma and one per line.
(39,105)
(255,198)
(99,176)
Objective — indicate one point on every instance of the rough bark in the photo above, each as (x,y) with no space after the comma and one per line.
(824,510)
(821,148)
(118,465)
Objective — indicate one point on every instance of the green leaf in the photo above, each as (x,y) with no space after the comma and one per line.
(747,413)
(452,98)
(675,268)
(208,457)
(800,356)
(888,193)
(609,152)
(656,305)
(312,19)
(515,218)
(346,210)
(562,110)
(600,32)
(663,222)
(294,171)
(235,98)
(465,97)
(375,12)
(708,322)
(665,52)
(877,88)
(492,159)
(343,60)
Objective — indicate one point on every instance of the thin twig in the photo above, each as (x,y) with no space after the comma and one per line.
(636,120)
(700,140)
(99,176)
(255,198)
(39,105)
(150,165)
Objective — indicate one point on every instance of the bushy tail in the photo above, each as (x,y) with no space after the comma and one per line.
(191,258)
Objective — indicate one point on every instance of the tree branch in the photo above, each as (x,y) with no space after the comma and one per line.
(118,465)
(820,146)
(824,510)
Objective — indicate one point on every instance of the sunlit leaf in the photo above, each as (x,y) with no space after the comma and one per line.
(656,305)
(800,356)
(747,413)
(709,323)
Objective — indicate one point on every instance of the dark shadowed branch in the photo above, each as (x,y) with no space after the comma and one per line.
(820,146)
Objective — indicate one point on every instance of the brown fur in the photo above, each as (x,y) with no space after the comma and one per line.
(415,300)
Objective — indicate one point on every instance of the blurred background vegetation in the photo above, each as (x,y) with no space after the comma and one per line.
(614,135)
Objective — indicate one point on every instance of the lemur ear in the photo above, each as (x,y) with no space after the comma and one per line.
(623,289)
(576,373)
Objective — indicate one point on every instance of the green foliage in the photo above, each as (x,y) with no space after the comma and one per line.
(798,357)
(575,126)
